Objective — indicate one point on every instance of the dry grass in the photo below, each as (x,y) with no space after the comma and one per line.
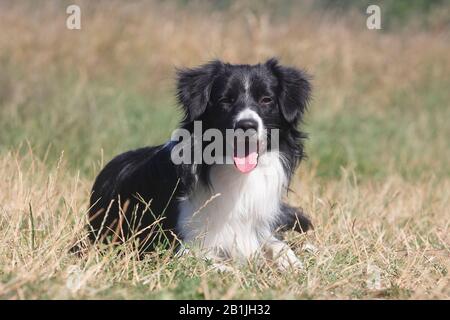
(372,240)
(377,183)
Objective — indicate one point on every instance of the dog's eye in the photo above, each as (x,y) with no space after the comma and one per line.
(226,100)
(265,100)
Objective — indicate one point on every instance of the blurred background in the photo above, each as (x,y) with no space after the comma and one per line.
(381,97)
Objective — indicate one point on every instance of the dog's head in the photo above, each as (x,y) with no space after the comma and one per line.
(253,98)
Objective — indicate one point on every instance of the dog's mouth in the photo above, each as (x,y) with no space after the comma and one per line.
(246,154)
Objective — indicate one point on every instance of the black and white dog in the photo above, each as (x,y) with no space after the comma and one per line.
(231,209)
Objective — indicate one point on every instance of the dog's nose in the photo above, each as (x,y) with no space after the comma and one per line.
(246,124)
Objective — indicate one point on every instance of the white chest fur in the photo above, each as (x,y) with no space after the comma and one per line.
(236,215)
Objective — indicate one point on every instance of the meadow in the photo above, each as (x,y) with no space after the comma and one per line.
(376,182)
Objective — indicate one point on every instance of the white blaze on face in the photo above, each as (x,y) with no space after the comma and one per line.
(247,86)
(247,160)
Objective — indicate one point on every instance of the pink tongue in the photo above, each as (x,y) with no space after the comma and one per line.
(246,164)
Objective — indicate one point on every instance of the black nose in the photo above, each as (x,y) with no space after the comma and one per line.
(246,124)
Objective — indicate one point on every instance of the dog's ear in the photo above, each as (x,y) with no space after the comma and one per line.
(194,88)
(294,90)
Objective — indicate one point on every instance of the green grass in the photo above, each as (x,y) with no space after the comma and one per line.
(83,121)
(86,120)
(406,137)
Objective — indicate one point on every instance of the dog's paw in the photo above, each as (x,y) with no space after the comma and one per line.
(223,268)
(288,261)
(284,258)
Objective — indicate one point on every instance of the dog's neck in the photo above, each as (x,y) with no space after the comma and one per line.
(236,212)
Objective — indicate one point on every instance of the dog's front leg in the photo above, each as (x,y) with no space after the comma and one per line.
(284,257)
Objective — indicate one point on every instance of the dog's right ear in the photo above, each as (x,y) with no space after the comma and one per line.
(194,88)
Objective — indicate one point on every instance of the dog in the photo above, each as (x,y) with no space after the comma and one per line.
(231,209)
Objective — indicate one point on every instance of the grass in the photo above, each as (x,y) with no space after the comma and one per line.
(376,183)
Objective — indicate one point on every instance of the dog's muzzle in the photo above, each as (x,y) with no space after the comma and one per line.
(246,145)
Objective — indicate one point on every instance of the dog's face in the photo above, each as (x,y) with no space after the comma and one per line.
(252,98)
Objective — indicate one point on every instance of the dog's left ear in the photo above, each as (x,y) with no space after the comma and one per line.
(194,88)
(294,90)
